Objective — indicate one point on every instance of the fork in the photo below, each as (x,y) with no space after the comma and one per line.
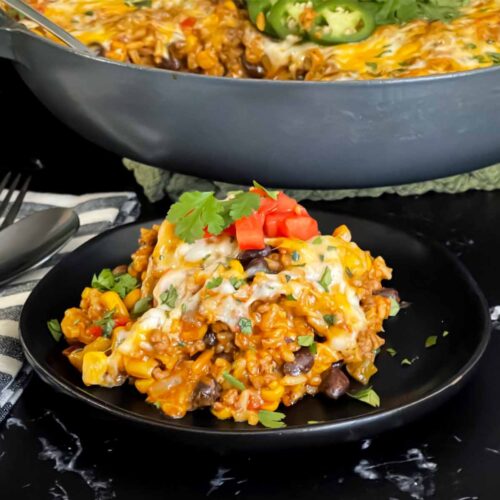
(16,205)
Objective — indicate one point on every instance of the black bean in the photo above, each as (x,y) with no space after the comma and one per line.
(247,256)
(257,265)
(210,338)
(253,70)
(206,393)
(335,383)
(390,293)
(97,49)
(171,63)
(119,270)
(225,355)
(303,362)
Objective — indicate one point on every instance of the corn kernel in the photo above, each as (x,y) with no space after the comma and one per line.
(94,367)
(131,298)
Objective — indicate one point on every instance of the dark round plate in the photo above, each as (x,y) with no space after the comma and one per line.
(443,297)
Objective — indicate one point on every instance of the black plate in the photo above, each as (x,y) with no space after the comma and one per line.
(443,297)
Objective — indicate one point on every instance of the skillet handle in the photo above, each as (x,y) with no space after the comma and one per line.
(6,31)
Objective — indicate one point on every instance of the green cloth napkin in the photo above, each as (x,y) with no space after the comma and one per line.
(157,182)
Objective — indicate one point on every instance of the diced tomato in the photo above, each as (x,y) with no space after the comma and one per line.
(300,210)
(189,22)
(121,321)
(268,205)
(95,330)
(285,203)
(206,234)
(301,227)
(272,224)
(250,232)
(254,403)
(230,230)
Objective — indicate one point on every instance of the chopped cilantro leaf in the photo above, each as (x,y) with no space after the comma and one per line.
(236,282)
(272,194)
(55,329)
(245,325)
(394,307)
(392,352)
(330,319)
(366,395)
(431,341)
(214,283)
(271,419)
(141,306)
(234,381)
(169,298)
(326,279)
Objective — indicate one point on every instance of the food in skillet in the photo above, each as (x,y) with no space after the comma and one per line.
(238,305)
(288,39)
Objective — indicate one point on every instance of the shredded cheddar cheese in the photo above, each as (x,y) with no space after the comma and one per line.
(216,38)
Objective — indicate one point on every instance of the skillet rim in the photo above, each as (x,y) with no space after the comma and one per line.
(16,28)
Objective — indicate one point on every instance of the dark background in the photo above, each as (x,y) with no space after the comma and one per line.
(462,438)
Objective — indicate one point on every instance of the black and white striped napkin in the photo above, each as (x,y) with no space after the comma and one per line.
(97,212)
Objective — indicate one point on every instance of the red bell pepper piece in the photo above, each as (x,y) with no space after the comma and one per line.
(121,321)
(95,330)
(189,22)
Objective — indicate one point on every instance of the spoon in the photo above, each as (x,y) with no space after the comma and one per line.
(44,22)
(34,239)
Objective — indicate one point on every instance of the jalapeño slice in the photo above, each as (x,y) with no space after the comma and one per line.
(258,12)
(291,17)
(341,21)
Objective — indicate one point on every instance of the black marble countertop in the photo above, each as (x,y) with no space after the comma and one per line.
(54,447)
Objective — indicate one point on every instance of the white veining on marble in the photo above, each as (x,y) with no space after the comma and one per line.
(57,492)
(364,470)
(27,485)
(495,317)
(65,461)
(468,498)
(493,450)
(417,483)
(459,245)
(219,479)
(365,444)
(2,455)
(457,439)
(14,422)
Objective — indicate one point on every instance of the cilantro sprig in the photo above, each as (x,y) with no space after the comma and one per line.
(121,284)
(198,210)
(402,11)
